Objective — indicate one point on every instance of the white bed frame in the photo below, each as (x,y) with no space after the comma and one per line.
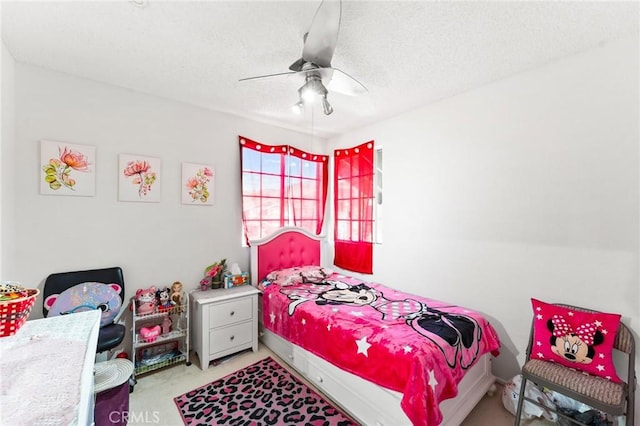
(367,402)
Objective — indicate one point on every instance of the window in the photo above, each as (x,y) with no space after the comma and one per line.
(378,210)
(354,200)
(281,186)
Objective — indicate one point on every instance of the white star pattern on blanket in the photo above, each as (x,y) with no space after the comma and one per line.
(363,346)
(272,316)
(407,349)
(432,380)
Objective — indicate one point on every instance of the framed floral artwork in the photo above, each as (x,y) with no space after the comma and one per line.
(197,184)
(138,178)
(67,168)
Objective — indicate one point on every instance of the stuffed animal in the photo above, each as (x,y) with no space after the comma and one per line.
(146,300)
(176,293)
(85,297)
(164,301)
(150,334)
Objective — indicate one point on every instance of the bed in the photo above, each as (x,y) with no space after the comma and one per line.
(386,357)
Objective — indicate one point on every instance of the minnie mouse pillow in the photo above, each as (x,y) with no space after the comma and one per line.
(575,339)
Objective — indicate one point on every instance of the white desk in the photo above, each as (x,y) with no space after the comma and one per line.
(46,371)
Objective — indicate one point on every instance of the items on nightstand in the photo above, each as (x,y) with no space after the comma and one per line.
(236,280)
(214,273)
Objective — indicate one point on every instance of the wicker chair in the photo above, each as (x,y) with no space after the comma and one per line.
(604,395)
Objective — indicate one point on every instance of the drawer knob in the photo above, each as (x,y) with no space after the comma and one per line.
(320,379)
(232,313)
(232,337)
(290,356)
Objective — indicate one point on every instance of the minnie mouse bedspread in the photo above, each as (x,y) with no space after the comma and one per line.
(411,344)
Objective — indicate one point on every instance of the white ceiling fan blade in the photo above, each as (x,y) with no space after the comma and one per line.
(320,41)
(267,76)
(343,83)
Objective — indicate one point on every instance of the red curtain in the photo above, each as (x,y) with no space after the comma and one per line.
(353,196)
(281,185)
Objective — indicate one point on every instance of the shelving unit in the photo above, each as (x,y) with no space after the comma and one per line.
(166,349)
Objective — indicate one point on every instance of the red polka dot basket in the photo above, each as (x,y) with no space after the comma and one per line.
(14,313)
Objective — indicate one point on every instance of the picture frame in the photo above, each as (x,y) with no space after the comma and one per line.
(197,184)
(67,169)
(139,178)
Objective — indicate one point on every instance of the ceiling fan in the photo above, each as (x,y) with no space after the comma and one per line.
(315,63)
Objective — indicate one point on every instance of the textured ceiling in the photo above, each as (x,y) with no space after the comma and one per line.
(406,53)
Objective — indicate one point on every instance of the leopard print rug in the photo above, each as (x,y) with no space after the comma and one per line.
(263,393)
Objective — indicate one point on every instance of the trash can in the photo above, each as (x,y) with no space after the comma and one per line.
(111,381)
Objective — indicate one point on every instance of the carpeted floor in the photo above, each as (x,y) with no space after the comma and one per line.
(152,401)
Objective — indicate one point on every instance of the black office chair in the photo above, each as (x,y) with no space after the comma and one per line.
(111,335)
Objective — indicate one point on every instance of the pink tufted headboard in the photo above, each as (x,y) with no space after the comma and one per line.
(286,248)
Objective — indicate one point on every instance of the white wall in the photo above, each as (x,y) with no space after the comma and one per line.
(155,243)
(527,187)
(7,119)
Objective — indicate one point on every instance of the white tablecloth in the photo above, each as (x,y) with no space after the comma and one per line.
(46,371)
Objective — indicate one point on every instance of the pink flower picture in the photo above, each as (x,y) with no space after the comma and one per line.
(197,184)
(67,169)
(139,178)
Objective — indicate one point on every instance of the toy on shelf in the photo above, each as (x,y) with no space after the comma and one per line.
(156,354)
(166,325)
(150,334)
(146,301)
(176,293)
(164,300)
(160,329)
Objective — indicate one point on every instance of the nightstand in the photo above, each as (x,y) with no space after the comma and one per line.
(225,321)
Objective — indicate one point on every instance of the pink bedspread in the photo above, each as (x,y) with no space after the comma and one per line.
(414,345)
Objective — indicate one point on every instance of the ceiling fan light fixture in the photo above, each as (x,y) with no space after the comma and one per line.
(307,94)
(310,91)
(298,107)
(312,88)
(326,106)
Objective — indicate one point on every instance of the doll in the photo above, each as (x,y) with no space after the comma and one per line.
(176,293)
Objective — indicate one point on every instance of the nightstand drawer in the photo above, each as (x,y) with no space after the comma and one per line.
(222,339)
(225,321)
(230,312)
